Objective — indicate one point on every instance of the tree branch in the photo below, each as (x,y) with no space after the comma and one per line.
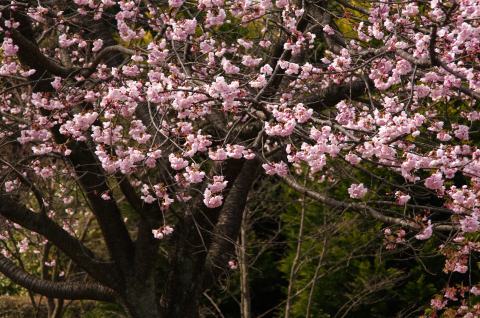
(102,55)
(30,54)
(38,223)
(358,206)
(230,219)
(336,93)
(63,290)
(94,183)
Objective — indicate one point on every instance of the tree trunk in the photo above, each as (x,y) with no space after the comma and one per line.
(183,291)
(141,301)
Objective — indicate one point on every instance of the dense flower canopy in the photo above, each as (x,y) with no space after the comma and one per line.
(179,105)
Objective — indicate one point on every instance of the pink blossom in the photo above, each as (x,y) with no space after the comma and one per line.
(183,29)
(130,70)
(146,195)
(280,129)
(68,200)
(462,132)
(51,263)
(475,290)
(195,143)
(353,158)
(193,174)
(434,182)
(291,68)
(411,9)
(64,42)
(109,135)
(57,83)
(212,201)
(9,49)
(266,69)
(403,67)
(281,3)
(228,67)
(97,45)
(245,43)
(450,293)
(152,157)
(138,132)
(426,233)
(78,125)
(162,232)
(470,224)
(259,82)
(11,185)
(177,162)
(175,3)
(402,198)
(328,30)
(443,136)
(215,19)
(218,184)
(438,303)
(276,168)
(302,114)
(232,264)
(235,151)
(218,155)
(23,245)
(357,191)
(249,61)
(460,268)
(248,154)
(129,159)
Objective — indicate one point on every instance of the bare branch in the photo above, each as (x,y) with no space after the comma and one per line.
(73,248)
(358,206)
(64,290)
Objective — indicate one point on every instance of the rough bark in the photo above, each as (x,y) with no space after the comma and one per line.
(65,290)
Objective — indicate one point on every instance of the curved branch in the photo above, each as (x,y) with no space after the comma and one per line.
(336,93)
(102,55)
(73,248)
(230,219)
(30,54)
(63,290)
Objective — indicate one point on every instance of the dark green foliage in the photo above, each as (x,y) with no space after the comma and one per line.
(356,275)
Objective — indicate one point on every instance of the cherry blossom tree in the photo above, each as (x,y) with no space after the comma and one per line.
(156,121)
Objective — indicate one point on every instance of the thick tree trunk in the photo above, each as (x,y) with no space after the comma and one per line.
(141,307)
(183,288)
(141,300)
